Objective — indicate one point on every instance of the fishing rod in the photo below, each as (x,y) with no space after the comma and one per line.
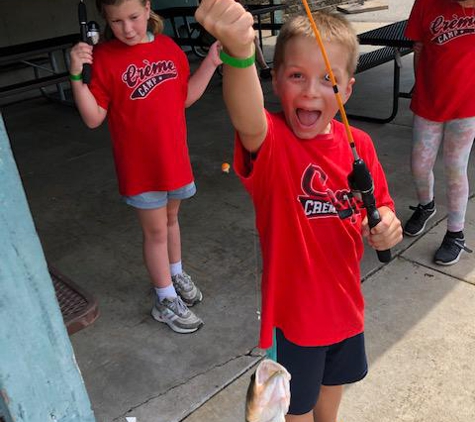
(83,31)
(360,178)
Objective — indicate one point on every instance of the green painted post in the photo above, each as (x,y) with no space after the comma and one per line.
(39,377)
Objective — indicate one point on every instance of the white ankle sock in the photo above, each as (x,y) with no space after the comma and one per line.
(176,268)
(163,292)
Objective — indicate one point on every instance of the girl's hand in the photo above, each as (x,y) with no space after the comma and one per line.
(418,46)
(386,234)
(228,22)
(213,53)
(81,53)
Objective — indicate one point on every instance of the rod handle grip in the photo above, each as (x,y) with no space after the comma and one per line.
(373,219)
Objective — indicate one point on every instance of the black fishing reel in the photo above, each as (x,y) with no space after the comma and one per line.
(362,186)
(89,33)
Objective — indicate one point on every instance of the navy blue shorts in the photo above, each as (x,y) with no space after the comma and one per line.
(311,367)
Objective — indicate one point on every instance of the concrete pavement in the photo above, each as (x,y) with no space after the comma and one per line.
(420,318)
(420,340)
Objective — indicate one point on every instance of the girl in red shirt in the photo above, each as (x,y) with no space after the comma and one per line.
(444,60)
(141,82)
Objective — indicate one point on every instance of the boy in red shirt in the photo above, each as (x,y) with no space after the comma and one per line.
(295,165)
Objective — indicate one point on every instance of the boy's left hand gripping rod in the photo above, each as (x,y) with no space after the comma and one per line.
(82,15)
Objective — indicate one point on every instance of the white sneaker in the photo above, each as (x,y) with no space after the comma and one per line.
(187,290)
(176,315)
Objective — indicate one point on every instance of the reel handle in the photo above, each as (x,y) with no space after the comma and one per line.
(373,219)
(362,181)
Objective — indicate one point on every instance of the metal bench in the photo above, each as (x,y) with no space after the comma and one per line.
(41,57)
(379,57)
(396,45)
(187,32)
(376,58)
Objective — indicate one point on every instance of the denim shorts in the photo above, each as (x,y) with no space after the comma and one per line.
(159,199)
(311,367)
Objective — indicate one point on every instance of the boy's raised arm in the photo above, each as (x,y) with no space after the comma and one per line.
(228,22)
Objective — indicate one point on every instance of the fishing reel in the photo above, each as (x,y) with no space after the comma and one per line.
(362,186)
(89,33)
(93,32)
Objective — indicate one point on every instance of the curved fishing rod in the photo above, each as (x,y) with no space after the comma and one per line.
(360,178)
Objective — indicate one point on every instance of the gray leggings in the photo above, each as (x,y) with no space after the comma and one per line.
(457,136)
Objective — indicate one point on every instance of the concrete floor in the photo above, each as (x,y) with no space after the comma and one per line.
(419,320)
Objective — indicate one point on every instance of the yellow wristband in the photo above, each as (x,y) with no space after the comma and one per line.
(75,77)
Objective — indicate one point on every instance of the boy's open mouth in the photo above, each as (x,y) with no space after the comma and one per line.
(307,117)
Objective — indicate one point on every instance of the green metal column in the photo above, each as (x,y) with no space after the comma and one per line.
(39,377)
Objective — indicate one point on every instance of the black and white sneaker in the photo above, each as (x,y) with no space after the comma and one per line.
(417,223)
(450,250)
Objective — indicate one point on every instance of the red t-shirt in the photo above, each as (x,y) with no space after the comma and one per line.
(311,287)
(445,75)
(144,88)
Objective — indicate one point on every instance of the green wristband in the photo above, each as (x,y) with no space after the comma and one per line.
(75,77)
(234,62)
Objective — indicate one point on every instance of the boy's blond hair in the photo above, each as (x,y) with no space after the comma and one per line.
(332,27)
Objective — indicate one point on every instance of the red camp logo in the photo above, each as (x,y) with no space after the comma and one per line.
(320,200)
(146,78)
(445,30)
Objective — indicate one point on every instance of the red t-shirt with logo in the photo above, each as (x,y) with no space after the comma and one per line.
(144,88)
(445,75)
(311,287)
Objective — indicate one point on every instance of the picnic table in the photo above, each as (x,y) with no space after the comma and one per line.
(391,35)
(41,57)
(258,10)
(187,32)
(394,45)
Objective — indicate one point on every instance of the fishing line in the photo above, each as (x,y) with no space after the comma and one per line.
(271,352)
(257,273)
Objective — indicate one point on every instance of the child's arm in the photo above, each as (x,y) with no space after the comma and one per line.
(386,234)
(92,114)
(228,22)
(417,53)
(201,77)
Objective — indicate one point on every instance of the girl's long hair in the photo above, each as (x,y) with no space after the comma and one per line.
(155,22)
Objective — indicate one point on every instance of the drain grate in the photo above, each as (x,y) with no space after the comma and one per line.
(78,307)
